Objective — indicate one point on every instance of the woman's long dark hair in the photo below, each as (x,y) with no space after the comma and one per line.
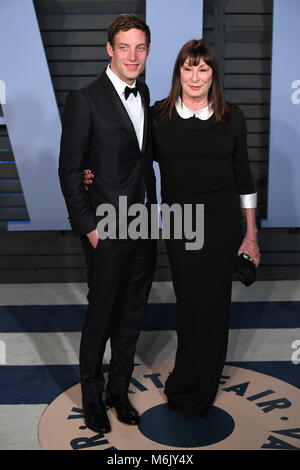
(194,50)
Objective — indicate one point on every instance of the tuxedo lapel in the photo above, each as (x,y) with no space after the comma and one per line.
(146,120)
(116,104)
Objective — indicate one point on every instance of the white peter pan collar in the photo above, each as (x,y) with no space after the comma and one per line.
(186,113)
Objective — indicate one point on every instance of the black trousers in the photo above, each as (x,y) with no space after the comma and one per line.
(120,274)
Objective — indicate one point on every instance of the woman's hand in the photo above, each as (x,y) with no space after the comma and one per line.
(251,248)
(87,178)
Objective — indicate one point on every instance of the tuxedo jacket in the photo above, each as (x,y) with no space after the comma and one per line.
(97,133)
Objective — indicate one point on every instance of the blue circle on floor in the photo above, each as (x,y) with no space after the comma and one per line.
(171,428)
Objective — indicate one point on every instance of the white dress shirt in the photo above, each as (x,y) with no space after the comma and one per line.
(247,201)
(133,104)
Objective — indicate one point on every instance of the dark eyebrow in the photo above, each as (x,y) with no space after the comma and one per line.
(126,44)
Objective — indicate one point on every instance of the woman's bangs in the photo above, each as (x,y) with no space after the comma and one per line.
(195,54)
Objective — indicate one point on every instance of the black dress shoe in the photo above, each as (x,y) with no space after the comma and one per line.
(95,417)
(125,411)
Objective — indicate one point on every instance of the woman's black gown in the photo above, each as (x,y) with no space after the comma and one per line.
(202,164)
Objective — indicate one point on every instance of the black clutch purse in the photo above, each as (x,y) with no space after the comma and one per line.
(244,269)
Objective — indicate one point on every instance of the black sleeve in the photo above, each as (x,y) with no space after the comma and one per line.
(76,126)
(242,170)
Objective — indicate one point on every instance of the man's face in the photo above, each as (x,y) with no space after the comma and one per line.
(129,54)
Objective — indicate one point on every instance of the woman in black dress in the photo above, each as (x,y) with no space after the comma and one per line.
(200,145)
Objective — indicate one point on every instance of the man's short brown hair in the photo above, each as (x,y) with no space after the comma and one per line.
(125,22)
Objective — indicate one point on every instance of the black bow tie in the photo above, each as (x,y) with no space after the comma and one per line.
(130,90)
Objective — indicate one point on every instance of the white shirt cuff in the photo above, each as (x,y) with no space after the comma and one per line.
(248,201)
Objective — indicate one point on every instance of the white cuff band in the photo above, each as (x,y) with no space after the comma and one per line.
(248,201)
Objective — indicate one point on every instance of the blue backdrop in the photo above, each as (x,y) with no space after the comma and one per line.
(31,116)
(33,123)
(284,166)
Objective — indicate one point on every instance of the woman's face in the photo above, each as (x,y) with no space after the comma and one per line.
(195,80)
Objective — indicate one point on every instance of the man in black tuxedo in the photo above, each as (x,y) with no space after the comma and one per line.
(106,127)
